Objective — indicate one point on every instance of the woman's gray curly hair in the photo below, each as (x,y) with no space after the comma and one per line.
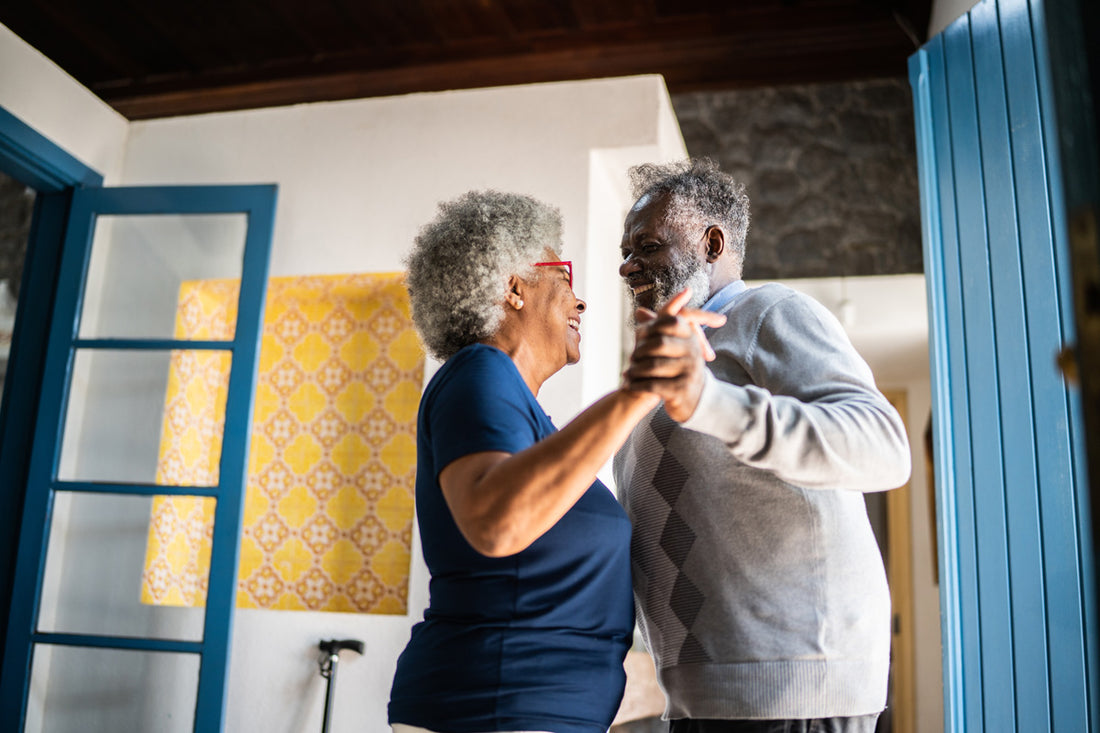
(701,195)
(460,263)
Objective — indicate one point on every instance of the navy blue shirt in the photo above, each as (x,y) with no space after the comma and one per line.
(533,641)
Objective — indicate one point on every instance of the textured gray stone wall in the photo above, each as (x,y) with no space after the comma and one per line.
(16,207)
(830,169)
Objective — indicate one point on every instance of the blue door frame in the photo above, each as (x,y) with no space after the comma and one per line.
(44,342)
(1017,564)
(33,160)
(258,203)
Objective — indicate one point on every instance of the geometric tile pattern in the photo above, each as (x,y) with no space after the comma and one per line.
(329,498)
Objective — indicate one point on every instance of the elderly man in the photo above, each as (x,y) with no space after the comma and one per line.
(760,586)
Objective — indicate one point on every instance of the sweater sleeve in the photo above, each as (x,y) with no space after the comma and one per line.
(810,413)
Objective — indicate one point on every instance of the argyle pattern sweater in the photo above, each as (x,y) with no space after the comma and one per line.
(759,585)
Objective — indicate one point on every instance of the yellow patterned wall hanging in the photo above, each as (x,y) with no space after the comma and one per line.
(329,498)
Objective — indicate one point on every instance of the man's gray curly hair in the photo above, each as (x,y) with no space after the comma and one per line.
(701,195)
(460,263)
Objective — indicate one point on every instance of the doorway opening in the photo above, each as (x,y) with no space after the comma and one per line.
(16,212)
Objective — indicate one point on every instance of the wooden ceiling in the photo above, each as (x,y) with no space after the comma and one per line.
(151,58)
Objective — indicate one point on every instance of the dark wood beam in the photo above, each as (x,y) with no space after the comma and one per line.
(855,50)
(218,55)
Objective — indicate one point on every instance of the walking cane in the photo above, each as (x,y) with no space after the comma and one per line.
(330,656)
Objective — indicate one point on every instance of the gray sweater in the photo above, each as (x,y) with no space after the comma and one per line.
(759,584)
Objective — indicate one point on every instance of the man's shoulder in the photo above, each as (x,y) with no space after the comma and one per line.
(771,307)
(769,292)
(758,299)
(761,298)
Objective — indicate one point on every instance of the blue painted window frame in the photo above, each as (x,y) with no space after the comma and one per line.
(258,203)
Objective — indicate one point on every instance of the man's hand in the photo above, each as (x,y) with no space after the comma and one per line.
(670,354)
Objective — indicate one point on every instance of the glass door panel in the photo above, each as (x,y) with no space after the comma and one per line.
(141,269)
(127,566)
(129,691)
(150,417)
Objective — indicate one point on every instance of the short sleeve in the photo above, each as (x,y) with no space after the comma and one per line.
(484,405)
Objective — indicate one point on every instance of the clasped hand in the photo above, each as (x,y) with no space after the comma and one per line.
(670,354)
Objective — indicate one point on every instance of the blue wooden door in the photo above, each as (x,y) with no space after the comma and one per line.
(83,651)
(1012,499)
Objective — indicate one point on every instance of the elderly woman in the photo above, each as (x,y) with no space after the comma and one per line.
(531,612)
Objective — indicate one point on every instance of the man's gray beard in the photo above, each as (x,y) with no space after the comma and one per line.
(690,272)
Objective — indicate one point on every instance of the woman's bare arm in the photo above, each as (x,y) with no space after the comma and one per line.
(503,502)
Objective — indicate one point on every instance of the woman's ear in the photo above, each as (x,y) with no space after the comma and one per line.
(716,242)
(514,296)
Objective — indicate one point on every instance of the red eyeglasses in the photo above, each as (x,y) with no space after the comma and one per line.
(567,264)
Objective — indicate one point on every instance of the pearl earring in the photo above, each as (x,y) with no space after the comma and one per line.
(519,304)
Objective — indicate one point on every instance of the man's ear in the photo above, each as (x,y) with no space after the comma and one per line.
(716,242)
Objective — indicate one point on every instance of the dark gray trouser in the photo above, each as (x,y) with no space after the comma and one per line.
(859,724)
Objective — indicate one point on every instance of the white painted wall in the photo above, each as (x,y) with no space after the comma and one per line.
(39,93)
(357,179)
(946,12)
